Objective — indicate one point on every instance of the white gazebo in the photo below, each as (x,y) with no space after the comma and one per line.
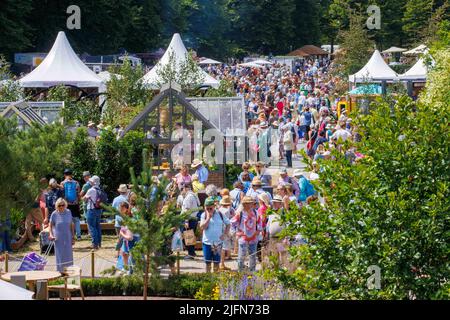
(262,62)
(394,50)
(418,72)
(209,61)
(180,54)
(61,67)
(375,70)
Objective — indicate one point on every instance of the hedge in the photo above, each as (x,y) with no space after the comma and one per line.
(178,286)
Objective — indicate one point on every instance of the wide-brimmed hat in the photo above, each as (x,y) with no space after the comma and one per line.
(256,181)
(196,163)
(277,198)
(226,200)
(165,166)
(248,199)
(91,123)
(123,188)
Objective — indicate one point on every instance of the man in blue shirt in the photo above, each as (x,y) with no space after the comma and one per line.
(215,226)
(201,171)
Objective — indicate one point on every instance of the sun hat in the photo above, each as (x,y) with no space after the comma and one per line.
(298,173)
(248,199)
(91,123)
(209,201)
(101,126)
(256,181)
(122,188)
(95,180)
(226,200)
(86,174)
(264,198)
(196,163)
(165,166)
(277,198)
(52,182)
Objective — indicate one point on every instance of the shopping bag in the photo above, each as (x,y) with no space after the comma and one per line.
(32,262)
(177,242)
(189,237)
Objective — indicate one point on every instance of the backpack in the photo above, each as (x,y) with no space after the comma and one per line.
(310,191)
(51,198)
(70,191)
(102,198)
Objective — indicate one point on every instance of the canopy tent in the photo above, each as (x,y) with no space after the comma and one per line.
(417,50)
(9,291)
(370,89)
(61,66)
(209,61)
(262,61)
(375,70)
(418,71)
(106,75)
(394,50)
(250,65)
(179,52)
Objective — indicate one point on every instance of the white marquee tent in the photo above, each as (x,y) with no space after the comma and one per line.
(417,72)
(394,50)
(61,66)
(178,50)
(375,70)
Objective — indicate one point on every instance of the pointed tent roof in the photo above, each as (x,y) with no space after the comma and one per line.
(375,70)
(61,66)
(209,61)
(418,71)
(178,50)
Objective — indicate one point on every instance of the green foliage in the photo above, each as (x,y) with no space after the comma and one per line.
(437,93)
(15,30)
(9,89)
(108,166)
(232,172)
(130,153)
(225,89)
(356,45)
(127,95)
(389,210)
(180,286)
(82,154)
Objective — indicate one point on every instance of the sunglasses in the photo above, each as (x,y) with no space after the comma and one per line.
(209,208)
(61,206)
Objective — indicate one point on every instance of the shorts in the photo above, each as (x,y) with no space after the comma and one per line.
(210,255)
(227,243)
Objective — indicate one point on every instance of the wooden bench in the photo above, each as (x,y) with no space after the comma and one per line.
(103,225)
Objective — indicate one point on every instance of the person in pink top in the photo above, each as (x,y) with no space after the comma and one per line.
(183,177)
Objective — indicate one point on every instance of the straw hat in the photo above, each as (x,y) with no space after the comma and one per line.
(196,163)
(226,200)
(122,188)
(277,198)
(256,182)
(248,199)
(165,166)
(91,124)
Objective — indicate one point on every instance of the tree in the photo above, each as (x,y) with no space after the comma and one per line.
(355,44)
(131,147)
(416,17)
(108,165)
(127,95)
(82,154)
(154,224)
(390,209)
(10,90)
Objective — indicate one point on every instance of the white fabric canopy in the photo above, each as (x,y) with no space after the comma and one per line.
(262,61)
(9,291)
(250,65)
(61,66)
(178,50)
(106,76)
(418,71)
(375,70)
(394,50)
(417,50)
(209,61)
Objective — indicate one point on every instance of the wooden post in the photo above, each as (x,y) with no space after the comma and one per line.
(6,261)
(178,262)
(92,264)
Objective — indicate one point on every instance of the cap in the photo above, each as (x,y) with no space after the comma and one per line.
(209,201)
(86,174)
(67,172)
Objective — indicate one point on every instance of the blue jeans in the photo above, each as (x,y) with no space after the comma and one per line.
(93,220)
(76,222)
(245,248)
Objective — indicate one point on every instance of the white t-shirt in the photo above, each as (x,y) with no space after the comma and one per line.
(91,196)
(341,134)
(190,202)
